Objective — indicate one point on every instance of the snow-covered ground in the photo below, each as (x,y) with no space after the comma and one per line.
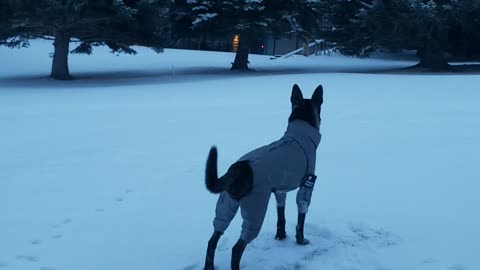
(106,172)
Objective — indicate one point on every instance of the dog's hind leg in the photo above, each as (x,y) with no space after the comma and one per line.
(237,252)
(253,209)
(212,246)
(224,213)
(281,233)
(280,197)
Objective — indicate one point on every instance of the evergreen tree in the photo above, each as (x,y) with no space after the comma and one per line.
(463,35)
(351,35)
(422,25)
(192,21)
(250,19)
(115,23)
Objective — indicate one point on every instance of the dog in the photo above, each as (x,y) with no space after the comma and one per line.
(282,166)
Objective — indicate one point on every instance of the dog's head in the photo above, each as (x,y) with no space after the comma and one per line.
(306,109)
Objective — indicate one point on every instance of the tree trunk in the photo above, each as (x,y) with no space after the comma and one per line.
(432,56)
(60,57)
(433,60)
(241,57)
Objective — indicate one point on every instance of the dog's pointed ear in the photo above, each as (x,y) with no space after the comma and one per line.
(317,96)
(296,94)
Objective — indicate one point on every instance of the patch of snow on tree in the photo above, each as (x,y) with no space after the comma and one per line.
(204,17)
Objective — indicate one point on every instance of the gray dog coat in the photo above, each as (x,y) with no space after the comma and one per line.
(282,166)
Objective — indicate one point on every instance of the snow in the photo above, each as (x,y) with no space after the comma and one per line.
(106,171)
(204,17)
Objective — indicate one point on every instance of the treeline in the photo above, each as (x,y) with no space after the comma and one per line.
(438,30)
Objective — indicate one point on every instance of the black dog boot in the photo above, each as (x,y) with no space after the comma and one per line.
(212,245)
(237,252)
(301,223)
(281,234)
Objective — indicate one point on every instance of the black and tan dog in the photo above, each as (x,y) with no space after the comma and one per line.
(282,166)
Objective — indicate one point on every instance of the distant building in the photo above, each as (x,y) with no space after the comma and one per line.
(275,46)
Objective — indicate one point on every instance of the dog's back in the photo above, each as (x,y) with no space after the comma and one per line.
(283,164)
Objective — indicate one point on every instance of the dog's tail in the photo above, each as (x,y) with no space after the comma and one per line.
(212,182)
(211,176)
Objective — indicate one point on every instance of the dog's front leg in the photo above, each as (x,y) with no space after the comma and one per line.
(304,197)
(212,246)
(300,225)
(237,252)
